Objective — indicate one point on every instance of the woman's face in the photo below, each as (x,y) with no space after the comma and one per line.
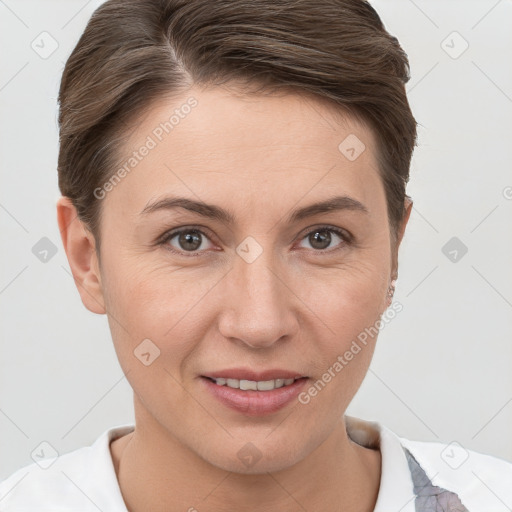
(265,290)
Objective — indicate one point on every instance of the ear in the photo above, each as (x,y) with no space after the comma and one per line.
(407,208)
(80,248)
(408,203)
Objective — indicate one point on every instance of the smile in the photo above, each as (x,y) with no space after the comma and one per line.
(261,385)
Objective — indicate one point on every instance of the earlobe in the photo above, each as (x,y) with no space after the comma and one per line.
(80,248)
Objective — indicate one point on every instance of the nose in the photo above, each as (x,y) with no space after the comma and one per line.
(259,306)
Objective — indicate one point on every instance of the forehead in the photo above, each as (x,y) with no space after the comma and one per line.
(219,144)
(223,115)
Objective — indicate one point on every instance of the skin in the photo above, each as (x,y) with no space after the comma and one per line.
(295,307)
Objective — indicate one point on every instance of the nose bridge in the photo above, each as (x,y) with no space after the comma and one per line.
(257,308)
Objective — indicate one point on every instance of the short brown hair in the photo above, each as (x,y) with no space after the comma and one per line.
(135,51)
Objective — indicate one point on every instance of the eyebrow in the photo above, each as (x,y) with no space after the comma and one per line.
(337,203)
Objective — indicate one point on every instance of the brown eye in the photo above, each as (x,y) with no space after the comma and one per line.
(321,238)
(189,240)
(186,240)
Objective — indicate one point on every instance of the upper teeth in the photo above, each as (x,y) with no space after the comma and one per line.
(260,385)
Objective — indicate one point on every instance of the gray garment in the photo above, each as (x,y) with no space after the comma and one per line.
(430,498)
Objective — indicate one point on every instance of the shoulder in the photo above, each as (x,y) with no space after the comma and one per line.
(483,482)
(83,479)
(43,482)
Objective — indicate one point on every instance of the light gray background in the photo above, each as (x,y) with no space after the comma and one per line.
(442,368)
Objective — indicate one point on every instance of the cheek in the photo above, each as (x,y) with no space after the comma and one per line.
(344,346)
(346,307)
(349,295)
(163,304)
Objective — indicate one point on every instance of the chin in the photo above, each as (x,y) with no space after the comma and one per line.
(254,457)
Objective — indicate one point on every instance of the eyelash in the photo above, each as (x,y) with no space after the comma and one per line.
(344,235)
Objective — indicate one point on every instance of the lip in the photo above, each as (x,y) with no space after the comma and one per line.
(248,374)
(255,403)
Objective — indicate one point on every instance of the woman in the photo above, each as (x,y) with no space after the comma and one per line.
(233,199)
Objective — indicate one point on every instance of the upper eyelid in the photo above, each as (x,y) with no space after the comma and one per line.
(171,233)
(346,235)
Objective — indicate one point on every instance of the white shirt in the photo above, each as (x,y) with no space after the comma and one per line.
(416,476)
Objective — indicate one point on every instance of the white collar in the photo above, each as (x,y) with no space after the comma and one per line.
(396,490)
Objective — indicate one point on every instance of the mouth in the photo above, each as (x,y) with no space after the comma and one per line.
(254,394)
(254,385)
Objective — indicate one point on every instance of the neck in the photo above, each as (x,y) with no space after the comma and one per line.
(156,472)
